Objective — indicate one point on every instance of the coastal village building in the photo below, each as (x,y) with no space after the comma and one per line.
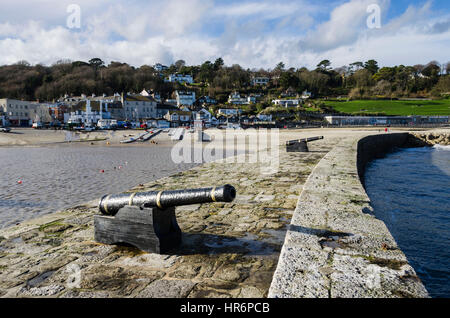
(306,95)
(264,117)
(204,115)
(163,109)
(138,107)
(154,95)
(207,100)
(178,118)
(236,99)
(290,92)
(113,104)
(24,113)
(40,112)
(158,123)
(229,111)
(57,112)
(160,68)
(287,102)
(18,112)
(262,80)
(171,101)
(180,78)
(88,113)
(185,98)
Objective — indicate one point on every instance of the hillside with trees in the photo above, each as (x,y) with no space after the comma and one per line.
(359,80)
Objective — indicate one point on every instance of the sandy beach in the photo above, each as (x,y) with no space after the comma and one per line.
(33,137)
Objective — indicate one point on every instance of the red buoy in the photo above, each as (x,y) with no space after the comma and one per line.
(102,171)
(19,182)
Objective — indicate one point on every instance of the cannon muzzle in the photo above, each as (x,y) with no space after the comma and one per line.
(111,204)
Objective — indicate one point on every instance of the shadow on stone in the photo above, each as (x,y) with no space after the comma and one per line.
(318,232)
(209,244)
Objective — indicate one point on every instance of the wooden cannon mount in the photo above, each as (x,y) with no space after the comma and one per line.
(147,220)
(300,145)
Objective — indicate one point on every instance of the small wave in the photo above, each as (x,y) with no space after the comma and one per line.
(440,147)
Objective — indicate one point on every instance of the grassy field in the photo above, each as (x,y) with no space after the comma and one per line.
(394,107)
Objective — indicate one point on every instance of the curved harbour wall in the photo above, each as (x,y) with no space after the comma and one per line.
(335,247)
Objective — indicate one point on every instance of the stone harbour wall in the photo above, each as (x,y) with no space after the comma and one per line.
(335,247)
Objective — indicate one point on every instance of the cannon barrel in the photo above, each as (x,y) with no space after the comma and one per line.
(291,142)
(111,204)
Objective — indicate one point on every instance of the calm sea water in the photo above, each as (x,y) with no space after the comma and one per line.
(410,192)
(58,177)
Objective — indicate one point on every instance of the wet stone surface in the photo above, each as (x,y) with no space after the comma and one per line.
(228,250)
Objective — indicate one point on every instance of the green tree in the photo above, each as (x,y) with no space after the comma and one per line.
(371,66)
(432,69)
(280,66)
(218,64)
(179,64)
(324,65)
(385,73)
(96,62)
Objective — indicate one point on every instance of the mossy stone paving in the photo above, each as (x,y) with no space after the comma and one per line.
(228,250)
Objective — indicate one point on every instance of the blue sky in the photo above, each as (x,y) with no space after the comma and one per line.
(252,33)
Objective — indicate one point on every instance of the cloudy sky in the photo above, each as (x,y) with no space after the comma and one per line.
(252,33)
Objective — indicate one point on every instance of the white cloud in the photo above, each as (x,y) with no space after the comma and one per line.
(347,22)
(255,34)
(265,10)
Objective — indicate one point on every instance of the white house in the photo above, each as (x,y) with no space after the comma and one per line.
(88,113)
(171,101)
(204,115)
(139,107)
(236,99)
(185,98)
(287,102)
(178,118)
(154,95)
(145,92)
(262,80)
(230,111)
(306,95)
(159,67)
(180,78)
(263,117)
